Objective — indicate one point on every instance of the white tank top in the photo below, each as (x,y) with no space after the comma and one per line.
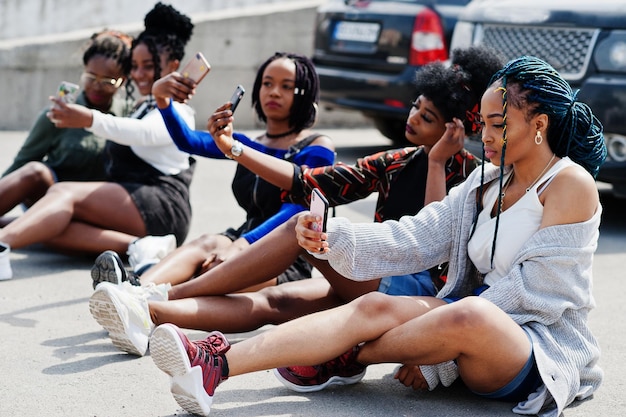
(517,224)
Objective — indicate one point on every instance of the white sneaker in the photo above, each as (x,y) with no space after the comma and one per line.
(151,291)
(5,262)
(123,311)
(149,250)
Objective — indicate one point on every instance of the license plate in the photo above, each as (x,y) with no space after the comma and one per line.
(357,32)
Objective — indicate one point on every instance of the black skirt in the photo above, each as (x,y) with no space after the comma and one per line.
(162,200)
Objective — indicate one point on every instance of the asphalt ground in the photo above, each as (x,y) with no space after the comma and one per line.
(55,360)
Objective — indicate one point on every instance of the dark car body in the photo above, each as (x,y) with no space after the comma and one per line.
(367,52)
(584,40)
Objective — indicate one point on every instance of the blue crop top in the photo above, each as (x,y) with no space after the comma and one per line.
(260,199)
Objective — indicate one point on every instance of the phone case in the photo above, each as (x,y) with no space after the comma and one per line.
(236,98)
(68,91)
(197,68)
(319,207)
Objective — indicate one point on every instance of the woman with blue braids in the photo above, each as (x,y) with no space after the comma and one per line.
(511,320)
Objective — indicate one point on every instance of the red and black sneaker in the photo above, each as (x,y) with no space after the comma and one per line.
(344,370)
(195,367)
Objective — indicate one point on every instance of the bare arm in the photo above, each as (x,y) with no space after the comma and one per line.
(173,86)
(450,143)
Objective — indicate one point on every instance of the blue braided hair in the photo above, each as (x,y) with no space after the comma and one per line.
(573,130)
(532,84)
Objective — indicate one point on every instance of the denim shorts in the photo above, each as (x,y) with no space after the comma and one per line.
(525,383)
(412,284)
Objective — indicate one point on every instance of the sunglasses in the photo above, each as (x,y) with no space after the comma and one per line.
(104,82)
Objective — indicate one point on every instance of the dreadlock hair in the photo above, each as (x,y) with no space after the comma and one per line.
(306,93)
(456,89)
(530,84)
(166,31)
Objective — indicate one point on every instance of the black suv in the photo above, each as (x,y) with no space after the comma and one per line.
(367,52)
(584,40)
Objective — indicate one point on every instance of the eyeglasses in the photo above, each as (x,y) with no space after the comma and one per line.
(104,82)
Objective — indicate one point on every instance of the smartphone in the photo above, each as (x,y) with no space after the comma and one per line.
(68,91)
(319,207)
(197,68)
(236,98)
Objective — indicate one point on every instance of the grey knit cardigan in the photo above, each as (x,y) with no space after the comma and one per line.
(548,291)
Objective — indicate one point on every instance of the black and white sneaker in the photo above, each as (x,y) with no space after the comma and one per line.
(108,267)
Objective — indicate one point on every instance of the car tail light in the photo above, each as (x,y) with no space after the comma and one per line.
(394,103)
(427,41)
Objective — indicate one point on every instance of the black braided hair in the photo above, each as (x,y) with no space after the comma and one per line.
(306,94)
(166,31)
(456,90)
(531,84)
(110,44)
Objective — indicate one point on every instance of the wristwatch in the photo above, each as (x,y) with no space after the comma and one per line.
(236,150)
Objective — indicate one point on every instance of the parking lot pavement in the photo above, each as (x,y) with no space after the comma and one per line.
(55,360)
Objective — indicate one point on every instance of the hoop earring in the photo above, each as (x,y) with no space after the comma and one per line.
(538,138)
(316,109)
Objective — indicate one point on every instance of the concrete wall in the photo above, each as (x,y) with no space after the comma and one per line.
(27,18)
(235,41)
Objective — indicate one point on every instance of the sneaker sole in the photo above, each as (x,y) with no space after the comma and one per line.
(106,313)
(170,356)
(333,381)
(105,269)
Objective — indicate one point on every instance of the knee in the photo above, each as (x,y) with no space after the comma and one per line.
(276,298)
(207,243)
(38,173)
(471,314)
(374,304)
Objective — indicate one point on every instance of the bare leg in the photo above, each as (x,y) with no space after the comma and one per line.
(262,261)
(24,185)
(186,261)
(104,205)
(489,347)
(247,311)
(426,330)
(81,237)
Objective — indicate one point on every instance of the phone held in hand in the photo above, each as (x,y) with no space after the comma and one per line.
(319,207)
(68,92)
(197,68)
(236,98)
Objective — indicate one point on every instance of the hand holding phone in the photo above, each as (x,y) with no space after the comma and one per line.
(319,207)
(197,68)
(236,98)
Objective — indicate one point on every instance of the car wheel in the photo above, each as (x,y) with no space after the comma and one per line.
(392,129)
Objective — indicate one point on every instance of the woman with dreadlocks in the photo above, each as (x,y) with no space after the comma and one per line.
(511,320)
(148,177)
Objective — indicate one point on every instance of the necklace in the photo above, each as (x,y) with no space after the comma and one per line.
(541,174)
(279,135)
(506,186)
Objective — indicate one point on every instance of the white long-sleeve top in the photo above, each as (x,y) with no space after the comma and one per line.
(148,137)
